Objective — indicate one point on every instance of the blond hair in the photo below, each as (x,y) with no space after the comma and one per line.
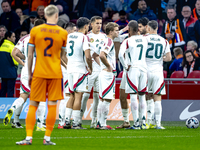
(110,27)
(50,10)
(193,43)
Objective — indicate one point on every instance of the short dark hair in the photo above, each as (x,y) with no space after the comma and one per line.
(144,21)
(7,34)
(184,62)
(153,24)
(38,22)
(122,13)
(5,1)
(69,25)
(133,25)
(82,21)
(110,27)
(94,18)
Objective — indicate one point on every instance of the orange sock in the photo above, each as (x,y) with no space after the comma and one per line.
(30,120)
(51,119)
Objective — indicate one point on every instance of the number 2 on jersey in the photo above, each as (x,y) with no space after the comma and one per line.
(72,48)
(49,46)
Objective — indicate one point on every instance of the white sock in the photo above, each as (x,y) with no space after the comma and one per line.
(40,114)
(134,108)
(143,107)
(84,104)
(47,138)
(105,110)
(94,106)
(17,113)
(17,103)
(158,112)
(68,114)
(62,108)
(28,137)
(125,115)
(76,117)
(150,110)
(99,112)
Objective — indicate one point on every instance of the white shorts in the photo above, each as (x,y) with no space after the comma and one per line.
(65,82)
(24,88)
(93,81)
(136,81)
(156,84)
(123,81)
(77,82)
(106,85)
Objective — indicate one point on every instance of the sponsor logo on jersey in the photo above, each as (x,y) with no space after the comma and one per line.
(91,40)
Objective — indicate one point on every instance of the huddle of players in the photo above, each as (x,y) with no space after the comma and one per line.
(135,51)
(141,56)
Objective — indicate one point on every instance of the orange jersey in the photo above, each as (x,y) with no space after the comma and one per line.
(48,41)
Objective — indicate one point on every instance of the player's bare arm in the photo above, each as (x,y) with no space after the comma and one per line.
(96,58)
(105,61)
(30,63)
(167,57)
(18,56)
(88,59)
(63,56)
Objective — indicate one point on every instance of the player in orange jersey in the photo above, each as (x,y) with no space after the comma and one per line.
(49,41)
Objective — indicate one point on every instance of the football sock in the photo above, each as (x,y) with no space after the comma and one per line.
(62,108)
(125,114)
(76,117)
(30,120)
(51,119)
(158,112)
(17,113)
(84,103)
(47,138)
(134,108)
(94,106)
(28,137)
(68,114)
(99,111)
(40,114)
(143,107)
(150,110)
(105,110)
(17,103)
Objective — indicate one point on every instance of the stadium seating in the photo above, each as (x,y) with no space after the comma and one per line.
(165,73)
(177,74)
(193,74)
(120,74)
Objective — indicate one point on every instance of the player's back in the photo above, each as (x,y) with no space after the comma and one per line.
(48,40)
(76,44)
(157,48)
(136,50)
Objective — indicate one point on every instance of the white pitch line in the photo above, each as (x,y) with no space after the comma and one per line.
(109,137)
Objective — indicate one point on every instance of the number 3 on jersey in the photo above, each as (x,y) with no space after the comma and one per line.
(71,47)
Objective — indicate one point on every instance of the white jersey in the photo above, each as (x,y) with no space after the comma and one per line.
(22,45)
(135,48)
(95,41)
(77,43)
(108,48)
(157,48)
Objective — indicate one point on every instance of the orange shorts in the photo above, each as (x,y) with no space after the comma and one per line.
(41,86)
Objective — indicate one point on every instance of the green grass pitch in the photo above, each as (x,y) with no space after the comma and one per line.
(175,137)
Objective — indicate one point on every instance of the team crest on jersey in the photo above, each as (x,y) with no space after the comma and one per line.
(91,40)
(18,43)
(106,48)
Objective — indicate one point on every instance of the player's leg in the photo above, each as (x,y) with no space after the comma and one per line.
(62,110)
(132,77)
(150,110)
(142,88)
(158,90)
(107,80)
(40,116)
